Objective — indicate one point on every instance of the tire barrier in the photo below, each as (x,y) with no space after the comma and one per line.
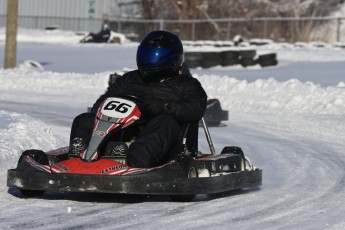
(247,61)
(210,59)
(247,53)
(207,57)
(192,59)
(269,59)
(230,57)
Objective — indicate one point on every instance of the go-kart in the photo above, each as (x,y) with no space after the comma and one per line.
(97,170)
(101,37)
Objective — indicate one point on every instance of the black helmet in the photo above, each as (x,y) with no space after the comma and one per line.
(105,27)
(159,55)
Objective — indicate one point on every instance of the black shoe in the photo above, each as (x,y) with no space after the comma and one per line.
(77,146)
(116,149)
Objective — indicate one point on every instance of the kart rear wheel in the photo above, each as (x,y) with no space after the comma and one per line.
(193,173)
(32,193)
(40,157)
(213,123)
(182,198)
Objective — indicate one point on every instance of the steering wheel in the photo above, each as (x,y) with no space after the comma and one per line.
(131,97)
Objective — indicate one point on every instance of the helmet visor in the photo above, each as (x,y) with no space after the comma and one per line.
(154,56)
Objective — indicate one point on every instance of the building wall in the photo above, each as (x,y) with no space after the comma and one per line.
(67,14)
(60,8)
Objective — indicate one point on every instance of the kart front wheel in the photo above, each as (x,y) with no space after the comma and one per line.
(182,198)
(32,193)
(192,173)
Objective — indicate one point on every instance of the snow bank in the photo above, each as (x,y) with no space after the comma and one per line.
(43,36)
(74,85)
(292,96)
(19,132)
(271,96)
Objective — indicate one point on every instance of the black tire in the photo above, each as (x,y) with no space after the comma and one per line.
(40,157)
(229,62)
(230,57)
(210,59)
(247,53)
(268,56)
(268,60)
(230,54)
(265,63)
(182,198)
(192,173)
(193,63)
(248,62)
(32,193)
(193,59)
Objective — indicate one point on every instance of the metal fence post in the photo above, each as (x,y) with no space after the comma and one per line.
(193,31)
(161,24)
(78,24)
(118,26)
(265,28)
(338,29)
(228,32)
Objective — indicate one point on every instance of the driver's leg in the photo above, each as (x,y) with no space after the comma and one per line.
(81,132)
(158,136)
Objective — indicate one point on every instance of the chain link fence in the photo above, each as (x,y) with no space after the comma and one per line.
(306,29)
(325,29)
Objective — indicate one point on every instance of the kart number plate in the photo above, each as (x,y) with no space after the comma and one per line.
(117,107)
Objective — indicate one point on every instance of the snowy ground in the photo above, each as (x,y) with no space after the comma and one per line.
(289,120)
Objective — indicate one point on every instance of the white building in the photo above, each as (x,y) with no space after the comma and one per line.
(65,14)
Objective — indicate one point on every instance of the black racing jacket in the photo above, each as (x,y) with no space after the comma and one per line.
(185,95)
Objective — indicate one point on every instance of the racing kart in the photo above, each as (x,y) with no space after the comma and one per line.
(96,169)
(96,38)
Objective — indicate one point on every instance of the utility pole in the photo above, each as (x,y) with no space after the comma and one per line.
(11,34)
(297,29)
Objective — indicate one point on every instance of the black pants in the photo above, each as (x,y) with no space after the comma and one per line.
(159,139)
(82,127)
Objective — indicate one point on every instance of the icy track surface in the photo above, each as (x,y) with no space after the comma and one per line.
(293,129)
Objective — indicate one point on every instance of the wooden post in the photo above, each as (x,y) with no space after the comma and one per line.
(11,34)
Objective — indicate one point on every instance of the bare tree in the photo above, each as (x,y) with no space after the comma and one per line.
(149,9)
(212,9)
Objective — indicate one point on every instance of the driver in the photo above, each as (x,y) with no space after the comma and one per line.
(169,100)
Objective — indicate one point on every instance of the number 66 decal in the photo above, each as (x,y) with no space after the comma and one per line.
(117,107)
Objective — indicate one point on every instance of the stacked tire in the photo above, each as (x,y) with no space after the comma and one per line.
(216,56)
(269,59)
(230,57)
(247,57)
(210,58)
(193,59)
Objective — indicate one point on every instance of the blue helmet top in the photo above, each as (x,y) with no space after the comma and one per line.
(159,55)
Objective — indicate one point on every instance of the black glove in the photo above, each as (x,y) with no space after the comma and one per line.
(153,107)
